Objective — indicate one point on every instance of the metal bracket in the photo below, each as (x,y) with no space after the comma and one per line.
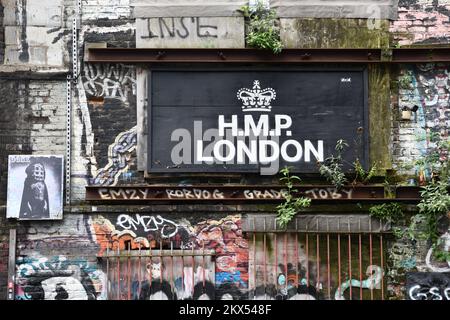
(11,264)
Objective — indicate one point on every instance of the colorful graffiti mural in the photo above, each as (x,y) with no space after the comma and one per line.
(58,278)
(156,256)
(224,236)
(426,87)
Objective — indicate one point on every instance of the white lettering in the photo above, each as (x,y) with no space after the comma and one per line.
(233,125)
(263,125)
(298,155)
(318,153)
(282,121)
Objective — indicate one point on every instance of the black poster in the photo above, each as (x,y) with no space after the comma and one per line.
(428,286)
(254,120)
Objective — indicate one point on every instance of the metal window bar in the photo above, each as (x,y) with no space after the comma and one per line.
(166,274)
(317,265)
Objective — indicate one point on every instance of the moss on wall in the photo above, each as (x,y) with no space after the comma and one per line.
(334,33)
(379,115)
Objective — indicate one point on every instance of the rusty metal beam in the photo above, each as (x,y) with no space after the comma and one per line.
(236,193)
(420,55)
(195,55)
(231,55)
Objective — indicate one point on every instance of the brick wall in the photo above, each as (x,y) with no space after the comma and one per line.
(33,120)
(104,146)
(58,260)
(422,22)
(106,9)
(426,88)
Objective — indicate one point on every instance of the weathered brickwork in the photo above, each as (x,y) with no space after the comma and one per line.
(422,22)
(59,260)
(106,9)
(427,88)
(33,120)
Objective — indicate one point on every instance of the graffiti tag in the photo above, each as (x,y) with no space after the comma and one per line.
(166,227)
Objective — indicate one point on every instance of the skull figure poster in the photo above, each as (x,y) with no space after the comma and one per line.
(35,187)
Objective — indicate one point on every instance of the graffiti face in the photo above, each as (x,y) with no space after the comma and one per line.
(155,270)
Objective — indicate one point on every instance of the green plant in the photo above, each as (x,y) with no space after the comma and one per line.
(413,231)
(390,212)
(331,168)
(434,204)
(362,175)
(292,205)
(405,81)
(263,31)
(435,199)
(438,253)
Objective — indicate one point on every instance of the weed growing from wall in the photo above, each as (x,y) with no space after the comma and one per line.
(263,31)
(291,205)
(332,168)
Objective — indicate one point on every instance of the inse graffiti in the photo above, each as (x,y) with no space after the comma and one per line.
(182,28)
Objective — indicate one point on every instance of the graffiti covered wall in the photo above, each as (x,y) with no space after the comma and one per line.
(60,260)
(427,87)
(223,236)
(55,266)
(79,259)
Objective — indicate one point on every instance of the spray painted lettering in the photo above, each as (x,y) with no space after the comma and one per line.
(167,228)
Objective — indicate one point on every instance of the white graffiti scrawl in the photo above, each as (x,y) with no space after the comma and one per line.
(374,273)
(115,81)
(445,238)
(166,227)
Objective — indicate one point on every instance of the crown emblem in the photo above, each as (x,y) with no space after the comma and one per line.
(256,99)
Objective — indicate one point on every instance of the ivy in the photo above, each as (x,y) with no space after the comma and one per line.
(405,81)
(263,31)
(390,212)
(292,205)
(435,203)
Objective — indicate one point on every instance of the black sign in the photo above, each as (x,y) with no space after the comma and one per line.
(254,120)
(428,286)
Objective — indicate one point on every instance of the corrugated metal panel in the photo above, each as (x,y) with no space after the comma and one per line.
(183,8)
(374,9)
(326,223)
